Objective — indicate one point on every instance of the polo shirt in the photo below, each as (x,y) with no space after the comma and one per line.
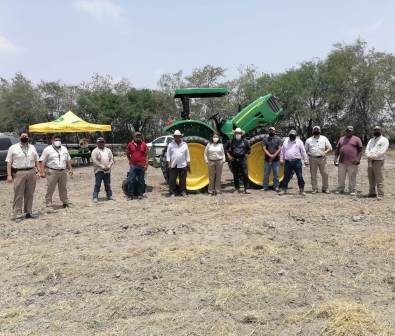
(272,144)
(315,146)
(349,149)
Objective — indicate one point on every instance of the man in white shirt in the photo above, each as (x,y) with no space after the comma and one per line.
(103,161)
(54,161)
(21,163)
(179,163)
(317,147)
(375,152)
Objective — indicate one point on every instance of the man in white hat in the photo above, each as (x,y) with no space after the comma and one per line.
(237,151)
(375,152)
(317,148)
(179,163)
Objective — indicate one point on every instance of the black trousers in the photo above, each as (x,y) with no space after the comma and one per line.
(181,173)
(239,169)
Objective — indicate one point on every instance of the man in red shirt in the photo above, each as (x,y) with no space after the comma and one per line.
(137,152)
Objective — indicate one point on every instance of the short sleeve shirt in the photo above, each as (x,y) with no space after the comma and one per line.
(22,157)
(272,144)
(138,153)
(55,158)
(349,149)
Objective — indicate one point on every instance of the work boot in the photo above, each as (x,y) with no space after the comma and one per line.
(31,215)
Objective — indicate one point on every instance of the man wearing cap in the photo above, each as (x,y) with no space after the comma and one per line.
(179,163)
(375,152)
(22,159)
(54,161)
(347,158)
(137,153)
(317,147)
(103,160)
(271,147)
(237,151)
(292,153)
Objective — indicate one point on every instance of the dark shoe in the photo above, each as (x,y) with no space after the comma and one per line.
(371,195)
(235,190)
(140,197)
(109,198)
(19,219)
(326,191)
(282,192)
(31,216)
(247,192)
(239,191)
(66,205)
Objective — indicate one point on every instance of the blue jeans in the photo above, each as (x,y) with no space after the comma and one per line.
(268,167)
(136,180)
(106,178)
(290,168)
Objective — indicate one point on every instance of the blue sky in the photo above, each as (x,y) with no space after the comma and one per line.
(139,40)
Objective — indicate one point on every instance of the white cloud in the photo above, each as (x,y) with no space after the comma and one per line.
(6,45)
(101,9)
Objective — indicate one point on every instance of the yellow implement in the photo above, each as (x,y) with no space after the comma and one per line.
(198,177)
(255,165)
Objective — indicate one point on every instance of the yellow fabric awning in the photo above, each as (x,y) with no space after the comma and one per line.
(68,122)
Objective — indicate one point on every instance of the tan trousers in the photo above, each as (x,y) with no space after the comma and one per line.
(24,186)
(318,164)
(376,177)
(214,174)
(56,178)
(350,170)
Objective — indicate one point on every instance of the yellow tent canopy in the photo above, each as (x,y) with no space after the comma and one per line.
(68,122)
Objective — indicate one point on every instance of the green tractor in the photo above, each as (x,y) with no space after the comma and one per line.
(261,112)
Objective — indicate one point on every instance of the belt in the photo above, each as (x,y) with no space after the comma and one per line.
(316,157)
(60,169)
(21,169)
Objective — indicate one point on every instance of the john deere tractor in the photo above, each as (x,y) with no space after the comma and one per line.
(261,112)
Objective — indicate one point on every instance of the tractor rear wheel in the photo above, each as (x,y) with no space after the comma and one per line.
(256,160)
(197,179)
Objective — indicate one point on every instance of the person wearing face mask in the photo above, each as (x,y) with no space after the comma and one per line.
(317,148)
(214,155)
(103,160)
(22,159)
(347,158)
(272,147)
(137,152)
(375,152)
(237,151)
(54,161)
(292,153)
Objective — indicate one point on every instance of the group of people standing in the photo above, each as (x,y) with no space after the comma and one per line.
(24,165)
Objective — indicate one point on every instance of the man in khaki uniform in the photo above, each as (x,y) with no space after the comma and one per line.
(21,163)
(317,147)
(375,152)
(55,158)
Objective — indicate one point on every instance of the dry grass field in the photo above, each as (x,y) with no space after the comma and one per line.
(256,264)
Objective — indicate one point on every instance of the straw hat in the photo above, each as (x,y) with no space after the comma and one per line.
(238,130)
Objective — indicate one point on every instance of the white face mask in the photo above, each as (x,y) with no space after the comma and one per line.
(215,139)
(238,136)
(57,143)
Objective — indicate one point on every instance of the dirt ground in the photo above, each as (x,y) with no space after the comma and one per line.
(258,264)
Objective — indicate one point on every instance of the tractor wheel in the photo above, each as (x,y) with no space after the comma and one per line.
(255,163)
(197,179)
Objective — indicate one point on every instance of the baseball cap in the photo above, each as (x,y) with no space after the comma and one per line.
(293,132)
(349,128)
